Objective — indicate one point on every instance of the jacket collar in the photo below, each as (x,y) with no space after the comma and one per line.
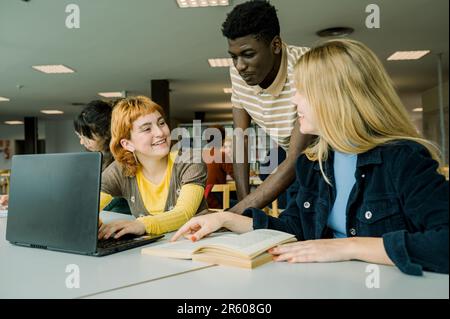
(371,157)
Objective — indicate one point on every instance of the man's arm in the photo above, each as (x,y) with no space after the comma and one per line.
(279,181)
(241,120)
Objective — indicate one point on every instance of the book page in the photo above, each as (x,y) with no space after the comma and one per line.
(183,248)
(225,260)
(250,244)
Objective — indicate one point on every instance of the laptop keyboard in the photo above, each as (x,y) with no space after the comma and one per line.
(111,242)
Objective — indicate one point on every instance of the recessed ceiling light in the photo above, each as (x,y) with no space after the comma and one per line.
(201,3)
(3,99)
(408,55)
(220,63)
(335,32)
(14,122)
(52,112)
(228,90)
(418,109)
(112,94)
(53,69)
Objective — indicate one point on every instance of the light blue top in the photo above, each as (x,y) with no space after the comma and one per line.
(344,175)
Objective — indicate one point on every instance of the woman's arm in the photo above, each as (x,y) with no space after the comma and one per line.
(188,202)
(366,249)
(424,196)
(370,250)
(105,199)
(201,226)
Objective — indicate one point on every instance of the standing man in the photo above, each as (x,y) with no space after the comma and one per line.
(263,87)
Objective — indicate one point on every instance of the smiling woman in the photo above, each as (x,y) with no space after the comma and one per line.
(368,187)
(163,191)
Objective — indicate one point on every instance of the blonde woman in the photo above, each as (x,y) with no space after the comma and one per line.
(369,186)
(162,190)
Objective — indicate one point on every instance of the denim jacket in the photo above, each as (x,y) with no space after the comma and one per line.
(398,195)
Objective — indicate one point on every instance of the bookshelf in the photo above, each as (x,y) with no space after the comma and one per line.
(262,142)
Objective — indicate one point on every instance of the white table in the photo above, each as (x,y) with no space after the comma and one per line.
(289,281)
(35,273)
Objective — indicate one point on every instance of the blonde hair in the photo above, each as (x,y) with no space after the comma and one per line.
(125,112)
(353,101)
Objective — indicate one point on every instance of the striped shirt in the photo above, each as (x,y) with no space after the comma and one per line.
(272,109)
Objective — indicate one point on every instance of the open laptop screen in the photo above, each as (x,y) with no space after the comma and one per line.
(54,201)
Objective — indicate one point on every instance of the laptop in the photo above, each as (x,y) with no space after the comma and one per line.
(54,204)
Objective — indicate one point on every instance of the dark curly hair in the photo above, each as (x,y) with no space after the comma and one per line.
(255,17)
(95,119)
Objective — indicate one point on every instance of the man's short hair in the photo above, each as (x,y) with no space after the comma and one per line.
(255,17)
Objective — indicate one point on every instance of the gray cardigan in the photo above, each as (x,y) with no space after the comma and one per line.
(184,171)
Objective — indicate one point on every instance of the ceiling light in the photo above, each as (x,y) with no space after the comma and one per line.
(201,3)
(418,109)
(220,63)
(14,122)
(228,90)
(52,112)
(408,55)
(3,99)
(112,94)
(53,69)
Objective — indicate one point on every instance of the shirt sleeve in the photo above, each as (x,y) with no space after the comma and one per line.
(105,199)
(188,202)
(424,194)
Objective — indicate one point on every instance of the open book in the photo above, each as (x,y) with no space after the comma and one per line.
(247,250)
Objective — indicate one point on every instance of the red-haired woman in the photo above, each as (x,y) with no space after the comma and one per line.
(162,190)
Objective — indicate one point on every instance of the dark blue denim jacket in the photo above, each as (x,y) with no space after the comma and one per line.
(398,195)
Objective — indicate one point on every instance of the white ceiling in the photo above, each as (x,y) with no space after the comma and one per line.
(122,45)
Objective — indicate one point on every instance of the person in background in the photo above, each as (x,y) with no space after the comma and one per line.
(370,188)
(93,127)
(218,170)
(164,189)
(4,202)
(228,147)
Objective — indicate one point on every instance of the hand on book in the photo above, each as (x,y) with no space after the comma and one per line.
(247,250)
(199,227)
(320,250)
